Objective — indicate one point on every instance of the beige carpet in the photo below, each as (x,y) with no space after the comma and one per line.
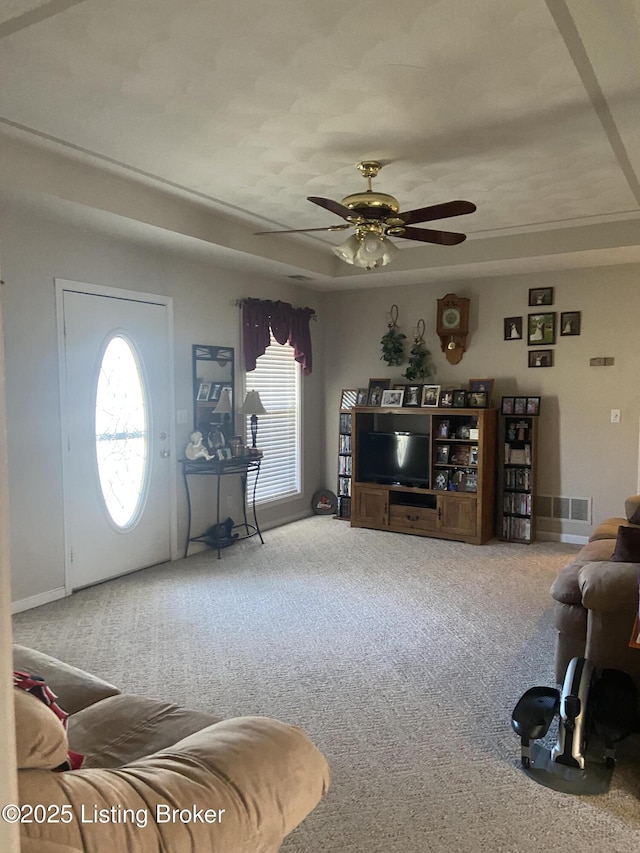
(402,657)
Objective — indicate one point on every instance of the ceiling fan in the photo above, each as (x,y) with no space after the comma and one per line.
(376,217)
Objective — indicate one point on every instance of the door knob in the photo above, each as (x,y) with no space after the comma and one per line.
(163,436)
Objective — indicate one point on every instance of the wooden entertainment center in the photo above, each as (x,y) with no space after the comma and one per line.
(456,499)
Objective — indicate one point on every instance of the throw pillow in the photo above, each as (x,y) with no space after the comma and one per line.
(41,740)
(627,545)
(635,516)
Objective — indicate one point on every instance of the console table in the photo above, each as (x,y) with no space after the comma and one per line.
(239,466)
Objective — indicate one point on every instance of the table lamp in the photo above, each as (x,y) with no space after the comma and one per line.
(253,406)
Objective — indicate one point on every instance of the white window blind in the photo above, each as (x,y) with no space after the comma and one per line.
(277,380)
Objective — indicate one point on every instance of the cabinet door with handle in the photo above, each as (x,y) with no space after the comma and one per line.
(458,515)
(371,507)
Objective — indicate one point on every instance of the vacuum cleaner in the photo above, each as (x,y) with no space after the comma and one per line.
(595,711)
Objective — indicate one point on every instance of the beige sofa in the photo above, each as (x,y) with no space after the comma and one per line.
(156,777)
(596,601)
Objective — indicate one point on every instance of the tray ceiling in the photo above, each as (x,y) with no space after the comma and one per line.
(239,111)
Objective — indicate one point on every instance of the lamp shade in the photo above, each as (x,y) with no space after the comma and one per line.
(224,406)
(252,405)
(368,251)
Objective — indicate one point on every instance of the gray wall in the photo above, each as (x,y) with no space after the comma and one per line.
(38,247)
(581,453)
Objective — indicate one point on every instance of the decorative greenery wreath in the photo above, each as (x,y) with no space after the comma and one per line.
(393,341)
(419,366)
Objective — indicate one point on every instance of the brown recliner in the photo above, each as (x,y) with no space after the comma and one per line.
(596,602)
(156,777)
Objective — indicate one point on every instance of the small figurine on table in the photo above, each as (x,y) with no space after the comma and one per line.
(196,449)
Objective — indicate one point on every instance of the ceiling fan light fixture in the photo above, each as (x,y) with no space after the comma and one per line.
(368,251)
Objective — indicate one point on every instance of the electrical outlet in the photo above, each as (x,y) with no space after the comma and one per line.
(615,416)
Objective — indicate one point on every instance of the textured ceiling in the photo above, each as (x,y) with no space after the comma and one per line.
(531,109)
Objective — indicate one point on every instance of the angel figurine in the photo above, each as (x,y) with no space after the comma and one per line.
(196,449)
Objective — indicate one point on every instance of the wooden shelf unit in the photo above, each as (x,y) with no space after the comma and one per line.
(345,458)
(518,440)
(443,513)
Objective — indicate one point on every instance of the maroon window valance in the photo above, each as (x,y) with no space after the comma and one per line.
(288,324)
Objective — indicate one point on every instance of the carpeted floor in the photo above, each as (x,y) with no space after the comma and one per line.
(402,658)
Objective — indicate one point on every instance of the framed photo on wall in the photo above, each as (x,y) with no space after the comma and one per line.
(541,329)
(569,323)
(513,328)
(541,296)
(541,358)
(507,405)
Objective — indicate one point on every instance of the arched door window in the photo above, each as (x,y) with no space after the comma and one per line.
(121,426)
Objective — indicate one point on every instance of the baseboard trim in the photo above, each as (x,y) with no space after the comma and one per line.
(567,538)
(38,600)
(288,520)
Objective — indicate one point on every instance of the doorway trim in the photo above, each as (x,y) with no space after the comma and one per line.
(61,285)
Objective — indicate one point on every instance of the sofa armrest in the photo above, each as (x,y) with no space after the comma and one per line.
(609,586)
(239,786)
(74,687)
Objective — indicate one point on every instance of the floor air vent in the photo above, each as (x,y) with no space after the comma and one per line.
(570,509)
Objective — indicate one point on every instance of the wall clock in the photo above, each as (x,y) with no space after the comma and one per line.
(452,326)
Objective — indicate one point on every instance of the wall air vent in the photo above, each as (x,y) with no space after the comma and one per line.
(569,509)
(300,277)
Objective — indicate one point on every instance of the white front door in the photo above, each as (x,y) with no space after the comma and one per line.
(116,418)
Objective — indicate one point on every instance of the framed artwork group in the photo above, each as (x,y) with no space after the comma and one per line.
(542,327)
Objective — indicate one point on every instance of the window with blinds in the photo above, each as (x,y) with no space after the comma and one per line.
(277,380)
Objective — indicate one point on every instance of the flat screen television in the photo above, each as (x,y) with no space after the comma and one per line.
(400,458)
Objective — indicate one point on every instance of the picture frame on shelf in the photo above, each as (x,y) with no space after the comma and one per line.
(362,396)
(442,454)
(507,405)
(392,397)
(519,405)
(430,395)
(513,328)
(533,405)
(569,323)
(478,400)
(460,399)
(376,387)
(541,358)
(441,479)
(541,296)
(482,385)
(446,398)
(541,329)
(412,395)
(214,393)
(443,429)
(473,456)
(348,398)
(464,431)
(471,483)
(204,390)
(223,453)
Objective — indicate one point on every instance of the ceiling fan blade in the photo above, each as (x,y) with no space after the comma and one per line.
(333,206)
(437,211)
(304,230)
(427,235)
